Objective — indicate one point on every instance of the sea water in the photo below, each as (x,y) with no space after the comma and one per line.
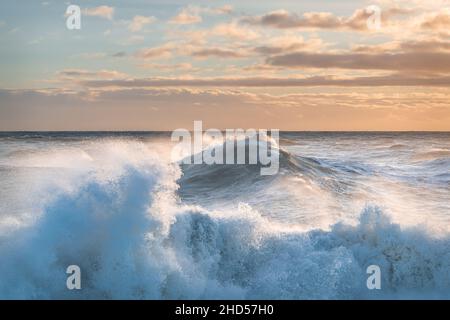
(141,226)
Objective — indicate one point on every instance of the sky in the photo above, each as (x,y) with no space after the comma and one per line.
(324,65)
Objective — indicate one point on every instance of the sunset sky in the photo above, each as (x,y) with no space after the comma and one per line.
(289,65)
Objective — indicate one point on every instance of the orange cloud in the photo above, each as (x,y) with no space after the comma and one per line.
(106,12)
(139,22)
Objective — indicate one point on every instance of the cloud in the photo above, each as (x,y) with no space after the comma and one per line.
(153,109)
(192,14)
(219,34)
(232,30)
(139,22)
(245,49)
(409,61)
(81,74)
(163,51)
(106,12)
(168,49)
(186,16)
(169,67)
(397,80)
(120,54)
(437,21)
(425,45)
(226,9)
(289,43)
(420,45)
(217,52)
(282,19)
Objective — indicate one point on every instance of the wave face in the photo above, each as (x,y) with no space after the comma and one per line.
(141,227)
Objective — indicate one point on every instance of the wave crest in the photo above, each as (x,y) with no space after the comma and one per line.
(133,239)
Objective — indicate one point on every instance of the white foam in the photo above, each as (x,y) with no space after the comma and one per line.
(122,223)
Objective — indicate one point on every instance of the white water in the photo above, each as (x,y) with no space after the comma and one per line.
(112,207)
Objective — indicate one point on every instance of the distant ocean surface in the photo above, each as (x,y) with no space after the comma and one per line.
(143,227)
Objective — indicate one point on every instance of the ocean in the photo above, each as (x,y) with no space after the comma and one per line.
(141,226)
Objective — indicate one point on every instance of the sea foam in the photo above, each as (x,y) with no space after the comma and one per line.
(133,238)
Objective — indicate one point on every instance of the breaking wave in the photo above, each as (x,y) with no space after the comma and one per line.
(225,181)
(123,223)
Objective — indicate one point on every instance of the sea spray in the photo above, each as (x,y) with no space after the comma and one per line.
(122,220)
